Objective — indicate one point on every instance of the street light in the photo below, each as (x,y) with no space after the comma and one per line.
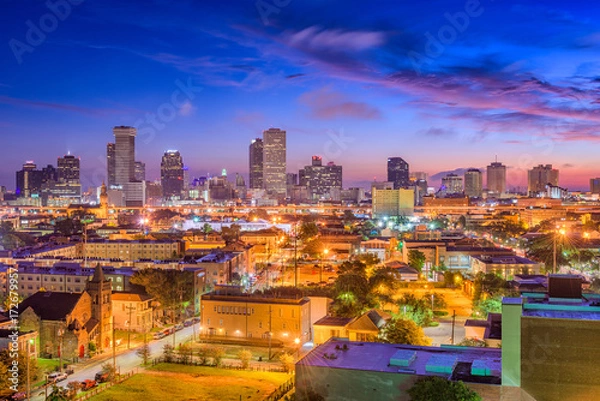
(325,252)
(29,343)
(60,333)
(561,232)
(297,342)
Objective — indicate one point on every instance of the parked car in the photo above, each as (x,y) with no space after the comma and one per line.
(178,327)
(158,335)
(187,323)
(101,377)
(88,384)
(56,377)
(196,320)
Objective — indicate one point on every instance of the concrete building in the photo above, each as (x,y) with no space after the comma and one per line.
(506,266)
(124,164)
(111,165)
(595,185)
(274,161)
(132,311)
(397,172)
(321,180)
(496,178)
(252,316)
(171,174)
(473,180)
(393,202)
(133,250)
(140,171)
(550,345)
(255,160)
(366,371)
(223,267)
(540,176)
(452,184)
(29,181)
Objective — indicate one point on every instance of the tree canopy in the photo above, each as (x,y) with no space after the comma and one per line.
(404,331)
(435,388)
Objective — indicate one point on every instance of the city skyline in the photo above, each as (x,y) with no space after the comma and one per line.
(342,87)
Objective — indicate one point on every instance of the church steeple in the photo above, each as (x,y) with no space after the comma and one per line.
(98,275)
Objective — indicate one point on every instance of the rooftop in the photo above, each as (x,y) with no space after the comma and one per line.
(482,365)
(252,298)
(535,305)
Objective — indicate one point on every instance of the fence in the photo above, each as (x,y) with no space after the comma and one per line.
(193,361)
(281,391)
(97,390)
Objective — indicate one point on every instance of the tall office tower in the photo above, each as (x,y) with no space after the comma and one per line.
(68,183)
(321,180)
(171,174)
(110,164)
(256,164)
(186,180)
(29,181)
(496,178)
(393,202)
(124,155)
(292,179)
(140,171)
(274,161)
(595,185)
(418,175)
(539,177)
(473,183)
(397,172)
(452,184)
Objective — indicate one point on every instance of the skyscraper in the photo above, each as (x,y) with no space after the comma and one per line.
(496,178)
(110,165)
(67,185)
(124,154)
(321,180)
(595,185)
(452,184)
(29,181)
(256,164)
(473,183)
(171,174)
(397,172)
(274,161)
(539,176)
(140,171)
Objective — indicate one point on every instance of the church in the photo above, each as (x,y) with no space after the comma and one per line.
(69,325)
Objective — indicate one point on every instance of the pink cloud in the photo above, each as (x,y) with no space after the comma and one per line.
(327,104)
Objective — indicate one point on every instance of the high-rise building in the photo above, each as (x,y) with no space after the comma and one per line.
(397,172)
(124,154)
(68,169)
(140,171)
(256,164)
(321,180)
(496,178)
(452,184)
(65,188)
(171,174)
(110,165)
(595,185)
(539,177)
(29,181)
(274,161)
(473,183)
(393,202)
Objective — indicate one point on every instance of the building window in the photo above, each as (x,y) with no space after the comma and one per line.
(220,322)
(260,325)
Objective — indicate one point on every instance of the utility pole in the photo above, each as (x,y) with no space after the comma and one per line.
(270,334)
(296,254)
(130,310)
(554,254)
(61,332)
(114,347)
(453,322)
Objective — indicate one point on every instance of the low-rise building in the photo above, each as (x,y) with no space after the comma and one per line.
(363,328)
(132,311)
(133,250)
(506,266)
(256,317)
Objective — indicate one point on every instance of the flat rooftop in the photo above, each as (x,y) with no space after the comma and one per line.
(446,361)
(585,308)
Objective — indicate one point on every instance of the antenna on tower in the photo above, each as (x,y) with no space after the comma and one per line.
(496,158)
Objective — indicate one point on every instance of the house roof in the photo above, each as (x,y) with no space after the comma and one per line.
(51,305)
(333,321)
(373,320)
(407,270)
(130,297)
(91,324)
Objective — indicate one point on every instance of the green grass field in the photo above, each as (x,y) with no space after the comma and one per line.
(197,383)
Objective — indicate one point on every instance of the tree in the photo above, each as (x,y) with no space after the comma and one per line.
(73,388)
(144,353)
(110,369)
(231,234)
(308,230)
(184,354)
(168,353)
(542,250)
(245,357)
(11,241)
(6,362)
(217,354)
(68,227)
(404,331)
(434,388)
(416,259)
(314,247)
(206,229)
(287,361)
(472,342)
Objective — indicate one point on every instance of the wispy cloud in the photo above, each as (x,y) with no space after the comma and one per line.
(327,104)
(13,101)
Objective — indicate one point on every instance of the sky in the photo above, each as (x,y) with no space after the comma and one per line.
(446,85)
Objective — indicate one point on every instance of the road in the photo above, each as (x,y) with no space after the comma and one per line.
(126,360)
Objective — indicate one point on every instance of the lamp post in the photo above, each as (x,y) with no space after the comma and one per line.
(29,343)
(325,252)
(561,232)
(432,303)
(297,342)
(61,332)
